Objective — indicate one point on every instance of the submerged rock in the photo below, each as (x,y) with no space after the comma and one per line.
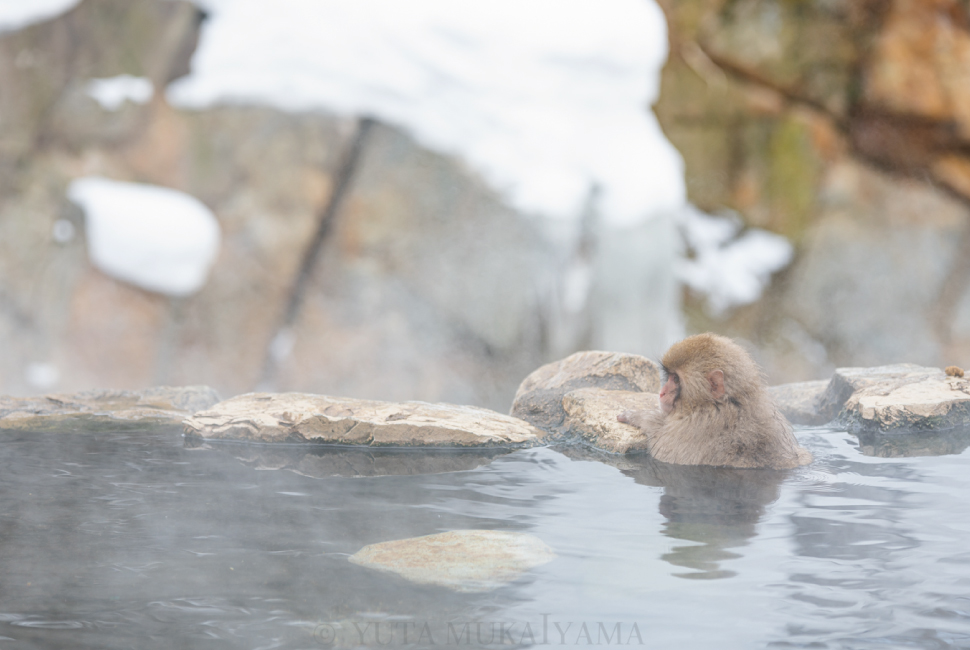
(557,396)
(466,561)
(301,417)
(100,408)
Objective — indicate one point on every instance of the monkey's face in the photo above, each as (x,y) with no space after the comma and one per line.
(670,393)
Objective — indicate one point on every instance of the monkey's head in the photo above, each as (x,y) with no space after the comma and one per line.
(707,368)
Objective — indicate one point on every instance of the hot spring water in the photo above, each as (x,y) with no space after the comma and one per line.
(130,539)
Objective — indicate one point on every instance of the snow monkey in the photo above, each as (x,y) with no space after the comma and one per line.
(715,410)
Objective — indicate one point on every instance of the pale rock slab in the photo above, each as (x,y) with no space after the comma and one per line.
(847,382)
(936,402)
(96,409)
(539,399)
(591,413)
(302,417)
(466,561)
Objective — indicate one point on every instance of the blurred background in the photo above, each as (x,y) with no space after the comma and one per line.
(428,200)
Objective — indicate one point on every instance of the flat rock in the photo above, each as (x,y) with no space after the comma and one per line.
(96,409)
(591,414)
(849,381)
(539,399)
(466,561)
(300,417)
(882,398)
(936,402)
(799,402)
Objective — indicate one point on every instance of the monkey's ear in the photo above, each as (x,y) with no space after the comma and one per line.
(716,379)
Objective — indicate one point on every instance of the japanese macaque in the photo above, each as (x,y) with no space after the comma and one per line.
(715,410)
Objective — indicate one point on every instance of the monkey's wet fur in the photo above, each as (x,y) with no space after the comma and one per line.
(715,410)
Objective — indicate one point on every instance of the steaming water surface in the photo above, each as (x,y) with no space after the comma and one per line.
(131,540)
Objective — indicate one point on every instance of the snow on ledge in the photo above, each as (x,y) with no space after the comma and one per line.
(729,267)
(544,98)
(112,92)
(153,237)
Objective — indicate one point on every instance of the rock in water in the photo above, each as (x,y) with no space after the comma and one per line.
(849,382)
(930,404)
(301,417)
(539,399)
(97,409)
(800,402)
(467,561)
(903,398)
(591,413)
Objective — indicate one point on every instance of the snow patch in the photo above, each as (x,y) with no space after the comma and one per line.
(729,267)
(153,237)
(112,92)
(15,14)
(544,98)
(42,376)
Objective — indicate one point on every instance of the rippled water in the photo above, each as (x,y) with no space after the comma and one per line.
(131,540)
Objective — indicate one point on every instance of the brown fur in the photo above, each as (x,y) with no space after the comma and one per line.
(741,428)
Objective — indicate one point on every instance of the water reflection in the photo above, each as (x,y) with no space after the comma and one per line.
(925,443)
(716,507)
(329,461)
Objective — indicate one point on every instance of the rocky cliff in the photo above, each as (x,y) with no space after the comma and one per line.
(426,285)
(846,127)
